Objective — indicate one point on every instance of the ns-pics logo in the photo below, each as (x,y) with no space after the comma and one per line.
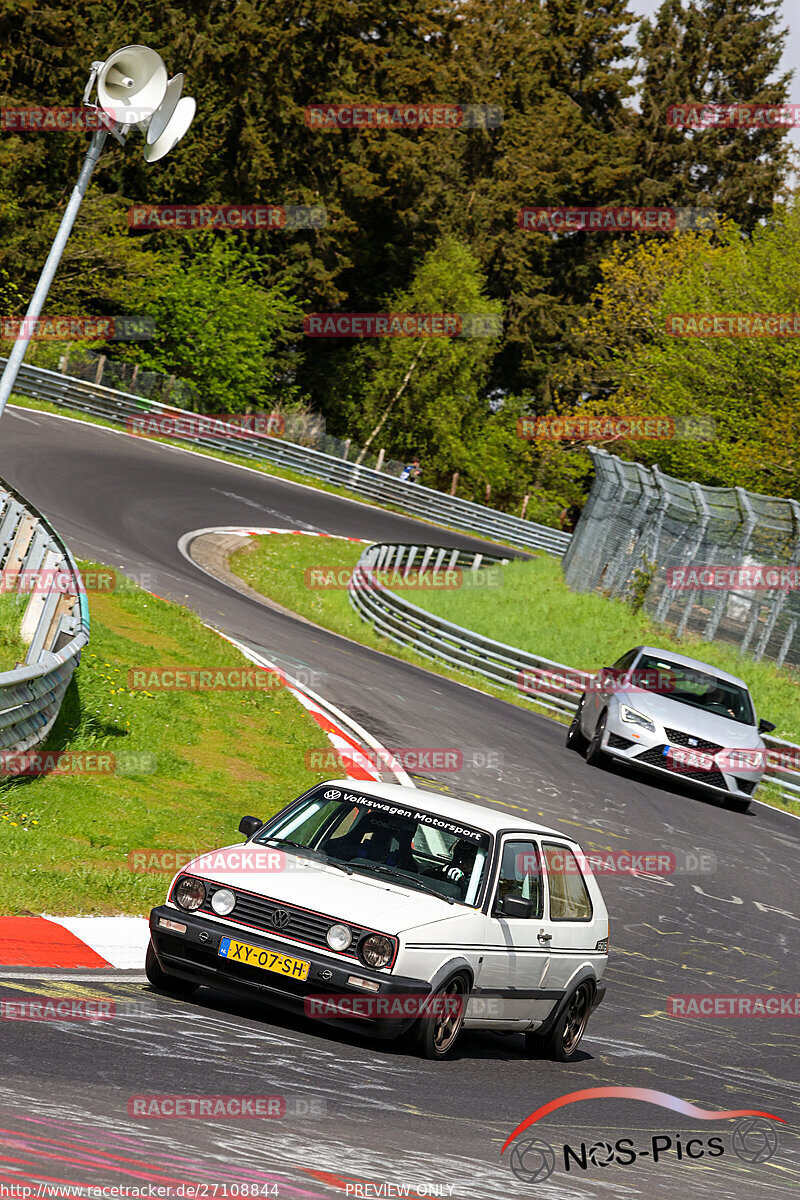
(753,1138)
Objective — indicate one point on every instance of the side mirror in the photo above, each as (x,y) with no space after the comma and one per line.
(250,825)
(516,906)
(766,727)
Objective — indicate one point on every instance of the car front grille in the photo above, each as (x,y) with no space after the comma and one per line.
(302,925)
(677,737)
(617,742)
(654,757)
(746,785)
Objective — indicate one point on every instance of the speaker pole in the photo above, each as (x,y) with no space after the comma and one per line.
(17,354)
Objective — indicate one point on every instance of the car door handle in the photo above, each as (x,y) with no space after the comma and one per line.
(545,937)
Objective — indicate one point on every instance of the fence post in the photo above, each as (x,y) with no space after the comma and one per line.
(525,500)
(101,362)
(454,483)
(379,463)
(347,443)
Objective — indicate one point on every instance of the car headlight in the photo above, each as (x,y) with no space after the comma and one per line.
(190,893)
(223,902)
(632,717)
(376,950)
(338,937)
(743,760)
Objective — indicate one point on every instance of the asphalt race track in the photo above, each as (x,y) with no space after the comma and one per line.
(360,1110)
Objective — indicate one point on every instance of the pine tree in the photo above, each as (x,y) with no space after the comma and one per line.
(713,52)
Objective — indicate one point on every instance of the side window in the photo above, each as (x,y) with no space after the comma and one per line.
(569,899)
(627,660)
(521,875)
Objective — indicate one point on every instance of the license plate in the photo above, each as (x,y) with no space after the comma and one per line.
(268,960)
(689,758)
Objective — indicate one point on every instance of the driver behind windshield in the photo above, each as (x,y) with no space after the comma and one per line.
(377,839)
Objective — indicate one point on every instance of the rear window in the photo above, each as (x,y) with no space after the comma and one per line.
(569,898)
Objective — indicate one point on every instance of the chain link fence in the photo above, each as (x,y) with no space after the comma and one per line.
(648,537)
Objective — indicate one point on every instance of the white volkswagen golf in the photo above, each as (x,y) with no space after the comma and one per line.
(398,910)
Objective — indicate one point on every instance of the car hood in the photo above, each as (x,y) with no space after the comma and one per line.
(724,731)
(376,903)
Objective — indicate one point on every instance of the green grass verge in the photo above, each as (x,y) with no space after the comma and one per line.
(189,766)
(255,465)
(533,609)
(12,647)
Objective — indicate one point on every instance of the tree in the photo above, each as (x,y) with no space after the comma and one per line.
(425,394)
(712,52)
(220,331)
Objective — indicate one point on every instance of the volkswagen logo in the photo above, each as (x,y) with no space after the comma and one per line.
(279,917)
(332,794)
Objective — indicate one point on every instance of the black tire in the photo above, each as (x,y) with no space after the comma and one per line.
(593,754)
(159,978)
(575,738)
(435,1036)
(561,1043)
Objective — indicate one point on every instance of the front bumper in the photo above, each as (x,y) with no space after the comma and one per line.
(645,751)
(194,956)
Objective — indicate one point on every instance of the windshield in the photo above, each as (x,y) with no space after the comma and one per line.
(375,837)
(688,685)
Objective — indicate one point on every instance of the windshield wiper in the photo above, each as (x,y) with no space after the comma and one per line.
(313,853)
(408,879)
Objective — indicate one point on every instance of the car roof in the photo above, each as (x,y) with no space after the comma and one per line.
(451,807)
(683,661)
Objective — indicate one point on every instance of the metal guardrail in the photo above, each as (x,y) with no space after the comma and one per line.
(35,561)
(412,498)
(550,685)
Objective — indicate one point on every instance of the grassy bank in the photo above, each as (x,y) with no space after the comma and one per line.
(532,609)
(187,765)
(12,647)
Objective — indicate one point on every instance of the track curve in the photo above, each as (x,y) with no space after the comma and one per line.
(391,1118)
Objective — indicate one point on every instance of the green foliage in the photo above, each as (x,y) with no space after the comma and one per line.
(584,122)
(748,386)
(218,330)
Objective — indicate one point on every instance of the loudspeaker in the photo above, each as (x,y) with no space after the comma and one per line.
(131,84)
(161,117)
(175,128)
